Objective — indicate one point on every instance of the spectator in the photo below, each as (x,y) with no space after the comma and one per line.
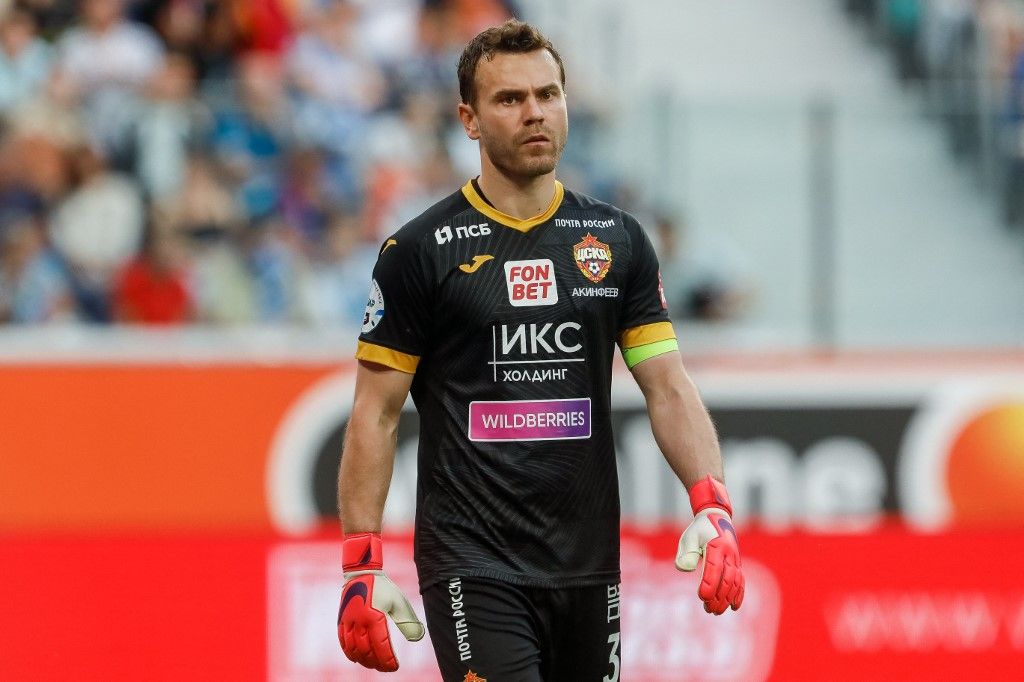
(1003,28)
(203,208)
(153,288)
(105,63)
(52,16)
(97,229)
(215,52)
(904,21)
(306,202)
(1013,135)
(957,56)
(221,286)
(337,88)
(107,51)
(435,55)
(698,284)
(41,136)
(14,193)
(25,59)
(473,16)
(416,189)
(863,10)
(277,272)
(386,31)
(264,25)
(340,273)
(399,147)
(204,212)
(172,121)
(249,140)
(410,136)
(180,24)
(34,287)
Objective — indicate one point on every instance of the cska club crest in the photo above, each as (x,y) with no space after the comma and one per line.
(593,258)
(473,677)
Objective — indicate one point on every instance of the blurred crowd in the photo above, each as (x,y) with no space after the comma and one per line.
(220,161)
(969,57)
(240,161)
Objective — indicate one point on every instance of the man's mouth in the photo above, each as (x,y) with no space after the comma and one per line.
(536,139)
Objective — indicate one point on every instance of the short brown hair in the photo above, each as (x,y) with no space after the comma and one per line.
(513,37)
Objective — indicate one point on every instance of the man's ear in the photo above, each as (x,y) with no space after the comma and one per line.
(468,118)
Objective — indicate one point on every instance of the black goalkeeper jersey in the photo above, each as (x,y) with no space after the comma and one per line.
(510,327)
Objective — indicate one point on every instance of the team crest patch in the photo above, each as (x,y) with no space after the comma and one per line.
(473,677)
(593,258)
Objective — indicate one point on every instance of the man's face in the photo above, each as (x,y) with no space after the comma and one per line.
(519,115)
(100,14)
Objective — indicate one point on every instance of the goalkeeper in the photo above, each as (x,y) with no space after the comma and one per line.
(499,309)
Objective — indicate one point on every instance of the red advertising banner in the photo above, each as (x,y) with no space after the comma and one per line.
(889,605)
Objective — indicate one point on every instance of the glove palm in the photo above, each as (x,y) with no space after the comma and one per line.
(712,536)
(367,596)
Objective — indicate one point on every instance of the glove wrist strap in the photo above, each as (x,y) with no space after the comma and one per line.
(709,492)
(348,575)
(362,552)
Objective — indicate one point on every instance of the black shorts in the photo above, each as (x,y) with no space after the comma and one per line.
(488,630)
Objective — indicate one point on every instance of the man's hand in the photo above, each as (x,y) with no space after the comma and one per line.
(368,595)
(711,535)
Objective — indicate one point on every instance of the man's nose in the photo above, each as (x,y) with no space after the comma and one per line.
(533,113)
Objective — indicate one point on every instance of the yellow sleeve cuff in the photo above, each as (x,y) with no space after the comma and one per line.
(645,334)
(394,359)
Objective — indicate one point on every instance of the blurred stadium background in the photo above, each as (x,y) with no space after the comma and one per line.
(192,195)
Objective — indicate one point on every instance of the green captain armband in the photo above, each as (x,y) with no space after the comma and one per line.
(636,355)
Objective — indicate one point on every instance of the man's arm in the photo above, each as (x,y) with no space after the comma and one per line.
(368,457)
(363,480)
(686,436)
(680,422)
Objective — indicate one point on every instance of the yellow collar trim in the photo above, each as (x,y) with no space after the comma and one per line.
(515,223)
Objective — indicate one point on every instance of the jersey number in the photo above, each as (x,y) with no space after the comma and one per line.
(613,658)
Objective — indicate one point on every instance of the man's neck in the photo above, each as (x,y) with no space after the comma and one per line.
(102,28)
(521,199)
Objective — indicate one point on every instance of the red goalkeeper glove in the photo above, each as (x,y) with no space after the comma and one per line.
(711,535)
(368,595)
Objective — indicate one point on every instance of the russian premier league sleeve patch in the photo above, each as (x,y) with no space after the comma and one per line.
(374,308)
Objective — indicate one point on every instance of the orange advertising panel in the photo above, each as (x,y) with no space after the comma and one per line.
(252,444)
(141,446)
